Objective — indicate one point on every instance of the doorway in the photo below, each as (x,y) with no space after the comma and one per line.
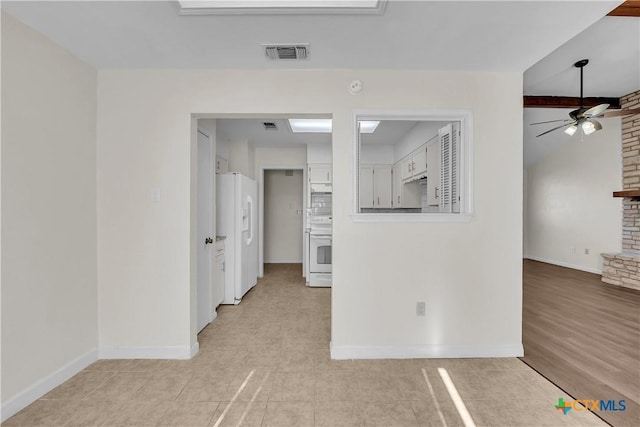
(283,216)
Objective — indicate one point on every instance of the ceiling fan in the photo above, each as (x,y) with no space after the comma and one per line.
(585,118)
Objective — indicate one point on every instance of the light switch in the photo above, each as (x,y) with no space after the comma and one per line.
(155,194)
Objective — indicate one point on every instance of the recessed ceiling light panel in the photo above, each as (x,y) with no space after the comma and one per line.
(281,7)
(368,126)
(310,125)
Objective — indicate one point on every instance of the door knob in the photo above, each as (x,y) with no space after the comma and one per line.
(208,240)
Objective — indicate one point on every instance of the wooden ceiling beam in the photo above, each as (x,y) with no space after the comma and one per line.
(628,8)
(568,102)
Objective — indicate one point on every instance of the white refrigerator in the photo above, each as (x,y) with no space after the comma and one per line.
(236,219)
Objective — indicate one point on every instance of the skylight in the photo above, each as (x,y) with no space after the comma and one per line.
(325,125)
(310,125)
(211,7)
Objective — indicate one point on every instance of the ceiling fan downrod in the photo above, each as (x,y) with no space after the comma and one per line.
(581,64)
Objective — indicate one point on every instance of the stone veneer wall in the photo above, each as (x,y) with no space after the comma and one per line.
(631,143)
(623,269)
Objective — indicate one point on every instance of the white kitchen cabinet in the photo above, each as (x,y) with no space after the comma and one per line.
(420,161)
(433,173)
(218,273)
(319,173)
(407,168)
(415,164)
(366,186)
(396,188)
(405,195)
(375,186)
(382,186)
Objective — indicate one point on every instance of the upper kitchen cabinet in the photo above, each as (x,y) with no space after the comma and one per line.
(319,173)
(415,164)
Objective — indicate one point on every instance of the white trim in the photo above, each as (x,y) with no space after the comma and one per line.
(303,168)
(285,261)
(465,117)
(411,217)
(435,351)
(565,264)
(21,400)
(147,352)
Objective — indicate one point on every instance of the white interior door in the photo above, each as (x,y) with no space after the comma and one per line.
(205,227)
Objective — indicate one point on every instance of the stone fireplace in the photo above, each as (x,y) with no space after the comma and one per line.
(623,268)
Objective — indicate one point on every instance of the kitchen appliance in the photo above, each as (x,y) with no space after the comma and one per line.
(319,228)
(237,220)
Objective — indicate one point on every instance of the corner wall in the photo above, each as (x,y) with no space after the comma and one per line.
(49,260)
(570,203)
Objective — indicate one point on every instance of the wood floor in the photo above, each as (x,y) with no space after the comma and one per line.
(584,336)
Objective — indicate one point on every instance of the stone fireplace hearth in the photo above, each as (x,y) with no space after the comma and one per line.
(623,268)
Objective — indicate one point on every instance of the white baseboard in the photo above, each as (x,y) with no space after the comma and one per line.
(425,351)
(565,264)
(17,402)
(150,352)
(194,349)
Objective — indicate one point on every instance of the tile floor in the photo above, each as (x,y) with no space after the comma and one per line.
(266,363)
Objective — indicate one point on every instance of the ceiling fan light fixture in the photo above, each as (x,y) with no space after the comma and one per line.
(571,130)
(590,126)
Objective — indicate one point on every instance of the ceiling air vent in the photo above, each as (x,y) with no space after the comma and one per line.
(287,51)
(270,126)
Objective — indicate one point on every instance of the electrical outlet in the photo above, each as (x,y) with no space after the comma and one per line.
(420,308)
(573,251)
(586,251)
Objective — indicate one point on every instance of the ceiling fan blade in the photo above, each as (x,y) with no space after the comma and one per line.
(594,111)
(551,121)
(618,113)
(556,128)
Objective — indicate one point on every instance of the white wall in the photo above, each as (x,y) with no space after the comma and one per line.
(222,148)
(417,136)
(318,153)
(242,157)
(468,273)
(283,198)
(377,154)
(49,272)
(280,156)
(570,203)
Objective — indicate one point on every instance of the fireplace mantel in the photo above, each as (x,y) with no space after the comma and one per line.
(627,193)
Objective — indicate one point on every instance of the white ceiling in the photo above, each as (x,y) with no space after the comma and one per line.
(612,46)
(442,35)
(544,38)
